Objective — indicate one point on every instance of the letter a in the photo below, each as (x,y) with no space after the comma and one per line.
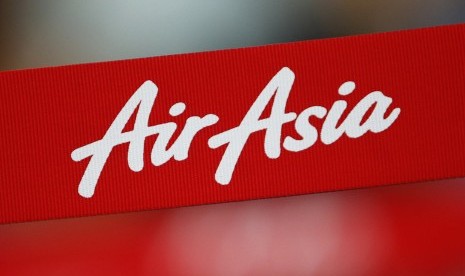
(237,137)
(99,151)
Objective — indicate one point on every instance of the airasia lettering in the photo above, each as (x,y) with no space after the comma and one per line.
(235,138)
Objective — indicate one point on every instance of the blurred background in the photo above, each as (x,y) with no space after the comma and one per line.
(414,229)
(38,33)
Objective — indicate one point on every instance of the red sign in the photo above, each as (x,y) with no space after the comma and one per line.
(232,125)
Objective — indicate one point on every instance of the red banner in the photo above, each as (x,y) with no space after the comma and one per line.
(232,125)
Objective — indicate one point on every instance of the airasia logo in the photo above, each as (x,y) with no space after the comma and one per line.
(235,138)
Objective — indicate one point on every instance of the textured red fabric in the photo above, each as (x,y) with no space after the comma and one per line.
(48,113)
